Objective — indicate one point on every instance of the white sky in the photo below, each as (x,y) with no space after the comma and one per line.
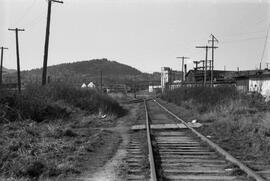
(146,34)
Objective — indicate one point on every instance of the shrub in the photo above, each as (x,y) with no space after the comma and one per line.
(204,97)
(42,102)
(69,133)
(35,169)
(86,99)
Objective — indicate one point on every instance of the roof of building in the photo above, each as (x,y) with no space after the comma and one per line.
(215,72)
(252,74)
(238,75)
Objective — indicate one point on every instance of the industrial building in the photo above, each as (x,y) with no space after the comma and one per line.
(200,77)
(244,81)
(168,76)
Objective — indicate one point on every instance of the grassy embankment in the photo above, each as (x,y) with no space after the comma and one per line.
(240,123)
(44,133)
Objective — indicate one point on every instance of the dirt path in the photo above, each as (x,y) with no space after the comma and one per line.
(112,170)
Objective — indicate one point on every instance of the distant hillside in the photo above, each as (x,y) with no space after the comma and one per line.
(86,71)
(8,71)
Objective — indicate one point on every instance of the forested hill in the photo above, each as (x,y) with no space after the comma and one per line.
(7,71)
(86,71)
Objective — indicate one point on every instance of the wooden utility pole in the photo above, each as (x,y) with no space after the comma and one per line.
(46,47)
(196,64)
(205,63)
(267,65)
(101,82)
(183,59)
(1,69)
(206,59)
(18,56)
(213,40)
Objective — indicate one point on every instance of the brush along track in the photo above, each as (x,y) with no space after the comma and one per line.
(184,154)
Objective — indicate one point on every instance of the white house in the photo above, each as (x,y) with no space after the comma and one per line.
(91,85)
(83,85)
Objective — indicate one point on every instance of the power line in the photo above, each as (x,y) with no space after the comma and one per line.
(243,34)
(34,21)
(265,43)
(262,20)
(26,12)
(241,40)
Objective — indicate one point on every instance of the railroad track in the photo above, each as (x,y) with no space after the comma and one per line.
(180,154)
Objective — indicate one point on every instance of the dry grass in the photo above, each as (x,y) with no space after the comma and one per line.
(239,123)
(43,135)
(30,149)
(246,135)
(55,149)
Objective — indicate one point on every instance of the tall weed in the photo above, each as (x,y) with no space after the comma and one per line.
(42,102)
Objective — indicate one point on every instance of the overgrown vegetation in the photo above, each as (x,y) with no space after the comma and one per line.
(239,122)
(39,103)
(206,99)
(44,133)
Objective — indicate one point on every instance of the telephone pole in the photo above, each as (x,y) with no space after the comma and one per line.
(101,82)
(213,40)
(183,59)
(46,47)
(267,65)
(196,64)
(18,56)
(206,59)
(1,69)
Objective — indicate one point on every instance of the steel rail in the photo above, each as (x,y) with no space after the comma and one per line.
(150,148)
(227,155)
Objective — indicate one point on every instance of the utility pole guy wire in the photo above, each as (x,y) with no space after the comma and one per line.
(265,43)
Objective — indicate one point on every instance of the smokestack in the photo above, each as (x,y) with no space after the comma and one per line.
(185,72)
